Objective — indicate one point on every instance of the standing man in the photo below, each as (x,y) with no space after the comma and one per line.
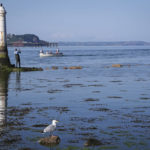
(16,52)
(57,51)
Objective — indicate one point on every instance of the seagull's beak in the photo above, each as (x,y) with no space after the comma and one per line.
(57,121)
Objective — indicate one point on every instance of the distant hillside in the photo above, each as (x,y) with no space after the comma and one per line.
(33,40)
(120,43)
(26,40)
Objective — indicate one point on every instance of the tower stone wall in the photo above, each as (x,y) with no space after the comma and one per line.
(4,58)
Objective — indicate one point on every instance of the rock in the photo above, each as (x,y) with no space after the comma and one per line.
(26,148)
(116,65)
(129,65)
(92,142)
(52,140)
(22,69)
(65,67)
(75,67)
(46,68)
(54,67)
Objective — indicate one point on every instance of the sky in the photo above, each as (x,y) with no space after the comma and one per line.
(80,20)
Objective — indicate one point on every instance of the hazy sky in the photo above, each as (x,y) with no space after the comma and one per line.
(80,20)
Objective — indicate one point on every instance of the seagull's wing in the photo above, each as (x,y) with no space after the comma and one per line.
(50,128)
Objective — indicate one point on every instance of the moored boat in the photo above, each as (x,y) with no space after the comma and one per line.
(50,54)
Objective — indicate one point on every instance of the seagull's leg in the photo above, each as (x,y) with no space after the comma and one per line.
(51,134)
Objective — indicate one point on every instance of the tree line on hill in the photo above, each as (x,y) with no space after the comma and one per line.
(27,40)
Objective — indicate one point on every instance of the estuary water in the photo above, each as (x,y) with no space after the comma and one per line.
(110,104)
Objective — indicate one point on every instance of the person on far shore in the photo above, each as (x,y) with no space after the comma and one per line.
(41,51)
(57,51)
(17,57)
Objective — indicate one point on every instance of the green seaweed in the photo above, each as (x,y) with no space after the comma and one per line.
(142,143)
(129,144)
(74,148)
(107,147)
(22,69)
(71,148)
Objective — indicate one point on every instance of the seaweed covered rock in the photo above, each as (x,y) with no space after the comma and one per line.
(117,65)
(25,148)
(22,69)
(92,142)
(54,67)
(65,67)
(48,141)
(75,67)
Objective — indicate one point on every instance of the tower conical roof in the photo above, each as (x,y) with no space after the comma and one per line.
(2,9)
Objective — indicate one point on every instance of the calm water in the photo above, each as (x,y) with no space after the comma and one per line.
(97,101)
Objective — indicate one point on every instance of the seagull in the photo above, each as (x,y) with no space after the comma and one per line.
(50,128)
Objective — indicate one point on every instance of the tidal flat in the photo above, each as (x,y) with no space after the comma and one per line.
(109,104)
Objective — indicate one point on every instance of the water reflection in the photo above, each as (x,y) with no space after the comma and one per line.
(18,85)
(4,77)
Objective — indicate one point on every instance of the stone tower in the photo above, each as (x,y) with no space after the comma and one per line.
(4,58)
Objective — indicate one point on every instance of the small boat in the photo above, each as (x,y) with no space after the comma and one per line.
(50,54)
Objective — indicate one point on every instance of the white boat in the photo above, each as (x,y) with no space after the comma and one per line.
(47,54)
